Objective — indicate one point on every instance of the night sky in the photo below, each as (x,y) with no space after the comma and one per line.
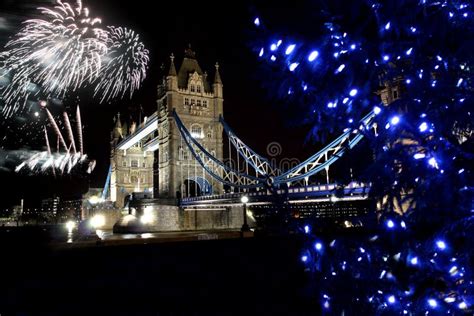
(221,33)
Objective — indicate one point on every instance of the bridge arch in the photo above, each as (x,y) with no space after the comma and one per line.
(196,186)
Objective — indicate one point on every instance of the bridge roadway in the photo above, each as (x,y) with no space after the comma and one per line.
(295,195)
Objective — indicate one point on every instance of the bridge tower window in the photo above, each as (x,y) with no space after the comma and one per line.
(204,103)
(198,102)
(134,164)
(196,131)
(198,88)
(186,101)
(183,154)
(193,88)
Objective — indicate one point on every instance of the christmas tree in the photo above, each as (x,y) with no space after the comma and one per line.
(410,63)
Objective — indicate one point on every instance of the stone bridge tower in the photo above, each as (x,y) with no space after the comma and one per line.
(131,169)
(199,104)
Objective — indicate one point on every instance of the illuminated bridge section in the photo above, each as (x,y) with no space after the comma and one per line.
(301,195)
(143,131)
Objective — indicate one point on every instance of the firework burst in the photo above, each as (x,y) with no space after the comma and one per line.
(66,50)
(124,66)
(40,162)
(61,161)
(53,55)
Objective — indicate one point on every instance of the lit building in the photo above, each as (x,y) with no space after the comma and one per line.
(199,106)
(131,169)
(70,210)
(50,206)
(172,171)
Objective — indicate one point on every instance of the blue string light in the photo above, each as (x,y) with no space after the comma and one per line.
(293,66)
(441,245)
(313,55)
(290,49)
(395,120)
(423,127)
(391,299)
(432,303)
(415,61)
(419,156)
(307,229)
(340,68)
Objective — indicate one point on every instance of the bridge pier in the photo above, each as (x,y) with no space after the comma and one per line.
(153,216)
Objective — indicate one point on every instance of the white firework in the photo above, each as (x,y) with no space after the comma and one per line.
(124,66)
(53,55)
(66,50)
(63,162)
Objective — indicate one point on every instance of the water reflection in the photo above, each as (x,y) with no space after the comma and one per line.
(69,236)
(70,225)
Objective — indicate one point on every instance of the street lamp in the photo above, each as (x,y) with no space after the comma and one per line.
(245,227)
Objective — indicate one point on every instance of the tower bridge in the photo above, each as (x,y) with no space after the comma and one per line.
(176,154)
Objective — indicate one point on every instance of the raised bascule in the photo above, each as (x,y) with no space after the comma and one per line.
(176,155)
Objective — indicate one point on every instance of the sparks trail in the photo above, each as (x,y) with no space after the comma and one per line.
(69,132)
(62,161)
(79,130)
(57,131)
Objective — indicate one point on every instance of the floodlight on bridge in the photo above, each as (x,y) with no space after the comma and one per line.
(70,225)
(95,199)
(98,221)
(245,227)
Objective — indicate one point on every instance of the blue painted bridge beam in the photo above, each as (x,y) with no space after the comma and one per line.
(308,194)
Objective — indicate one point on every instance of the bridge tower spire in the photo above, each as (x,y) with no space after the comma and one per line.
(217,86)
(189,93)
(172,77)
(117,132)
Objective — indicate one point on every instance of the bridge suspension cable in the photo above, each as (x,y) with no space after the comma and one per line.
(105,190)
(213,166)
(328,155)
(259,163)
